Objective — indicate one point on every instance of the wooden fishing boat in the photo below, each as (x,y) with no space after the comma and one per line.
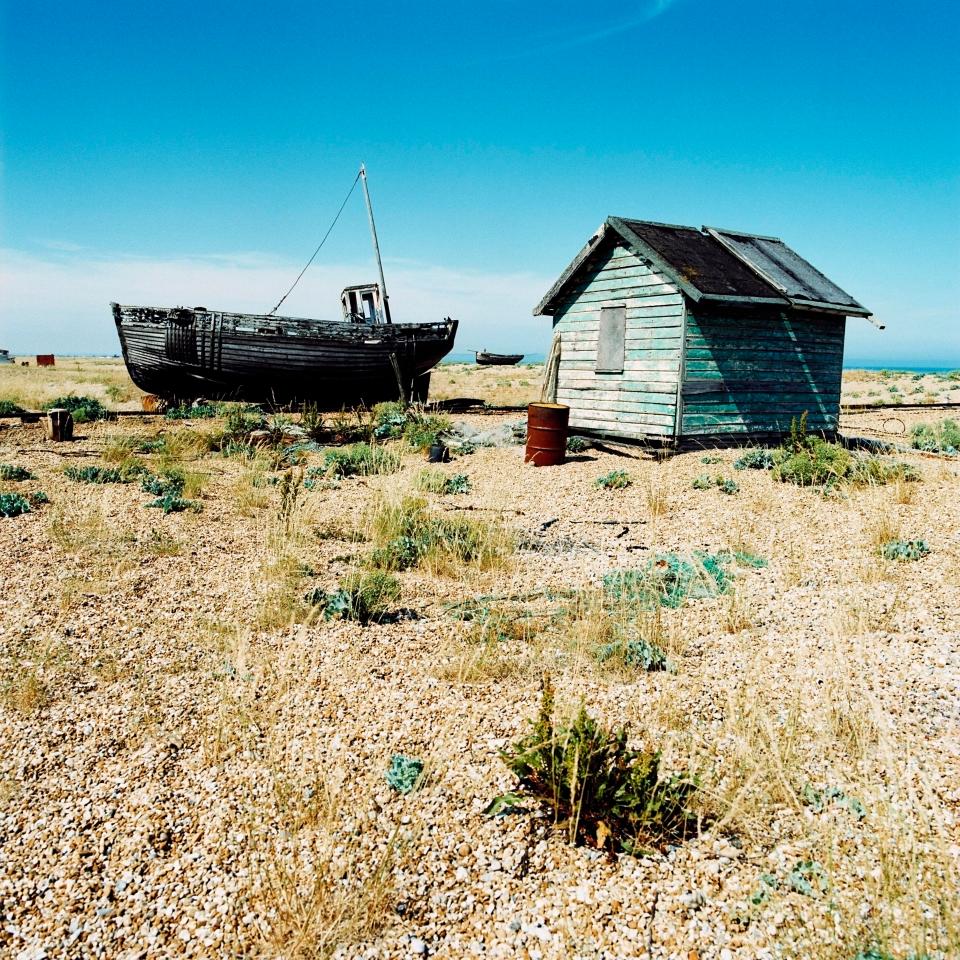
(487,359)
(183,353)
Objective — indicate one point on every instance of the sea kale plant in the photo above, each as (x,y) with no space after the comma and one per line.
(615,480)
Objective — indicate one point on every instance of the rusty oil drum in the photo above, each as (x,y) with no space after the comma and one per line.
(546,434)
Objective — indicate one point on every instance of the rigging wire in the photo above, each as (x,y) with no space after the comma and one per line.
(322,242)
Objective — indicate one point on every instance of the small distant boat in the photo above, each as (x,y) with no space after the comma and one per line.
(183,353)
(487,359)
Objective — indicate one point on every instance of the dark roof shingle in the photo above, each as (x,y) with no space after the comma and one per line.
(718,265)
(701,261)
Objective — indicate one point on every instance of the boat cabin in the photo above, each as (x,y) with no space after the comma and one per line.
(362,304)
(673,333)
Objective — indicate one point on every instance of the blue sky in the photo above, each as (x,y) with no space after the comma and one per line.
(195,152)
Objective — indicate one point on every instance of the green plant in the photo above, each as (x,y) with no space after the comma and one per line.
(389,420)
(711,458)
(577,444)
(171,503)
(615,480)
(365,597)
(904,550)
(937,437)
(760,459)
(407,534)
(702,482)
(404,773)
(9,471)
(637,653)
(10,409)
(668,579)
(726,485)
(13,504)
(95,474)
(436,481)
(82,409)
(169,482)
(311,421)
(359,459)
(820,463)
(809,878)
(799,439)
(233,439)
(818,800)
(601,790)
(152,445)
(422,431)
(195,411)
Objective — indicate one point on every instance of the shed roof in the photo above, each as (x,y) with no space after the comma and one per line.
(718,265)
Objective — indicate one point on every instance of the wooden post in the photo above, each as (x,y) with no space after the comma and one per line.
(58,425)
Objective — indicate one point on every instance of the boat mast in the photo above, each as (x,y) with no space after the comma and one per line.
(376,246)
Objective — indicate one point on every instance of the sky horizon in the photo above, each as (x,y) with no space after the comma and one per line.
(196,153)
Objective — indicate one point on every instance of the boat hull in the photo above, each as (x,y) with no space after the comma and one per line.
(182,354)
(498,359)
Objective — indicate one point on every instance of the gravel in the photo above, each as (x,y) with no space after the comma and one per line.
(183,777)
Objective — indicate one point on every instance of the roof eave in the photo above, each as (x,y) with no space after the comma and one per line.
(732,298)
(843,309)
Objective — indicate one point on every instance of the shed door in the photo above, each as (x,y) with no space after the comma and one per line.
(610,346)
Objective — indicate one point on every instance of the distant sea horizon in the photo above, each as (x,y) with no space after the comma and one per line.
(534,358)
(530,359)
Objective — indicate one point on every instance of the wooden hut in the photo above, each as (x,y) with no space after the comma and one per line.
(670,333)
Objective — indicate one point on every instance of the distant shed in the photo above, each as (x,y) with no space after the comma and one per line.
(669,332)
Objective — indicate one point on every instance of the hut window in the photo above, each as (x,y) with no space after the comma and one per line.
(611,343)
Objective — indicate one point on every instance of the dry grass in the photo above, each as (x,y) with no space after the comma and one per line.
(656,496)
(26,692)
(103,378)
(881,529)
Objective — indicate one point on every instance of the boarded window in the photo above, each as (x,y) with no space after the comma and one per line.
(610,347)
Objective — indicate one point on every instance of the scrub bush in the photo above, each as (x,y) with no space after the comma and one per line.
(603,792)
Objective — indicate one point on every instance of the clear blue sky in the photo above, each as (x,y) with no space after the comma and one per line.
(204,138)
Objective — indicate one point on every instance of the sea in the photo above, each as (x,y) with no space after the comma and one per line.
(851,364)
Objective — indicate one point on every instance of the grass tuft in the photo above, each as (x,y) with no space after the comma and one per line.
(407,534)
(436,481)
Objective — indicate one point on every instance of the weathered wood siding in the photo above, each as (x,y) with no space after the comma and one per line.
(642,400)
(752,374)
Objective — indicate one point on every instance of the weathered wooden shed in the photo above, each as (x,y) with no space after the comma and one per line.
(669,332)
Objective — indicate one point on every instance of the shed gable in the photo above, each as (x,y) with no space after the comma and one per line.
(626,384)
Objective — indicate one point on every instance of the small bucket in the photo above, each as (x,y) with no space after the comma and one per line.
(438,453)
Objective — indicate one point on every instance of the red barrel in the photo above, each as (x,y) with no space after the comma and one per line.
(547,434)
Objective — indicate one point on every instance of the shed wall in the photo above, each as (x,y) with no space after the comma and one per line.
(753,373)
(642,400)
